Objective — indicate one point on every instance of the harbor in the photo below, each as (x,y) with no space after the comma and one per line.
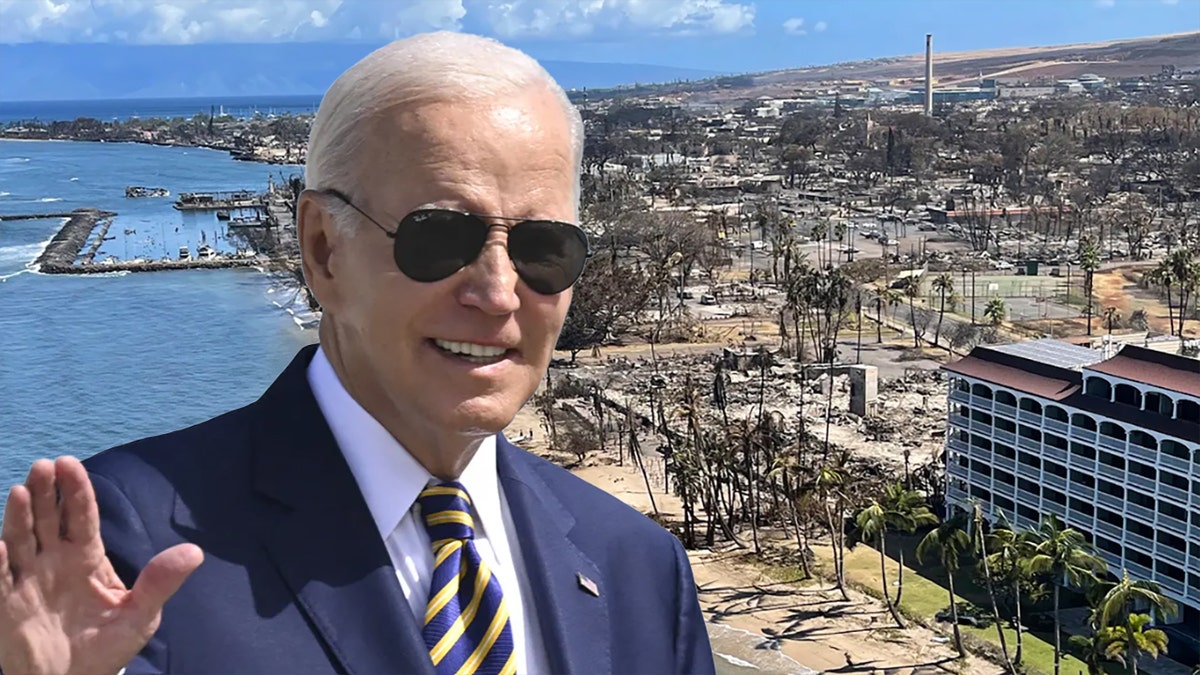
(264,238)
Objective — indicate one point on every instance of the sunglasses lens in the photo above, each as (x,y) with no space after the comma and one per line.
(549,256)
(431,245)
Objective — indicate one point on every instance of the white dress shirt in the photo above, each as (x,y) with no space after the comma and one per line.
(390,481)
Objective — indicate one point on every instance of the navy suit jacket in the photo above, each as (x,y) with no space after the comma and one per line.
(296,579)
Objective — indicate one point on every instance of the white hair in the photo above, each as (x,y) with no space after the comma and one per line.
(431,67)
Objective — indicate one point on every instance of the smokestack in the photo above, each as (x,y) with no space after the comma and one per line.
(928,75)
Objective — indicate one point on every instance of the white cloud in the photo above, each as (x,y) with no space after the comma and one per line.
(190,21)
(579,18)
(820,26)
(794,26)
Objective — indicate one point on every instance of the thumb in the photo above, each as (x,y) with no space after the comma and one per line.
(162,577)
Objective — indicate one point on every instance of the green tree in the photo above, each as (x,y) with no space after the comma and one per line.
(1111,316)
(979,549)
(995,311)
(1064,555)
(948,543)
(1089,262)
(1116,610)
(944,285)
(898,509)
(1008,557)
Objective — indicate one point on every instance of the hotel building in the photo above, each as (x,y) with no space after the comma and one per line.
(1110,446)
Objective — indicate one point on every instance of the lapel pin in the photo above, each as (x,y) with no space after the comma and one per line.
(587,584)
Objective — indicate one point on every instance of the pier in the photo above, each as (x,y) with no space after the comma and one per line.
(212,201)
(154,266)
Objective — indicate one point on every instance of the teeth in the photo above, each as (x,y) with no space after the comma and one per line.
(471,349)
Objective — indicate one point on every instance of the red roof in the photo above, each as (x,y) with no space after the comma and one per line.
(1160,369)
(1017,373)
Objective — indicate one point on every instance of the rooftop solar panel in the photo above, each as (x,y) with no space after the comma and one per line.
(1053,352)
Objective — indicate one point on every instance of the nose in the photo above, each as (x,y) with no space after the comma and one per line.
(491,283)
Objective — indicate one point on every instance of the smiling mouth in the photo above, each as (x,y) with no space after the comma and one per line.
(472,353)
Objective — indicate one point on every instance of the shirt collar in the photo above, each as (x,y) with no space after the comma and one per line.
(389,478)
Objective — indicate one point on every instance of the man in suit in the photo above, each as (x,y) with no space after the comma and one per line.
(365,515)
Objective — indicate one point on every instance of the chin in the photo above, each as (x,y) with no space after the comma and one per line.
(483,416)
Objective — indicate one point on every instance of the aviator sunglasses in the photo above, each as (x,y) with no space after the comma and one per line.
(432,244)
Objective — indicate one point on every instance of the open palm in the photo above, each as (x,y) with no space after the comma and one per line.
(63,609)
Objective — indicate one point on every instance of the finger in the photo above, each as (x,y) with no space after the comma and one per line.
(6,579)
(161,578)
(18,530)
(80,514)
(44,495)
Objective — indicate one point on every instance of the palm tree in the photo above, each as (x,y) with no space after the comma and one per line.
(829,483)
(899,509)
(1009,551)
(979,549)
(1111,316)
(1092,650)
(948,542)
(1063,554)
(1164,275)
(1186,271)
(1120,647)
(944,285)
(995,311)
(1116,609)
(1089,262)
(911,289)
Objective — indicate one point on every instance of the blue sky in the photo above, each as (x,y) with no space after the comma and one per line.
(717,35)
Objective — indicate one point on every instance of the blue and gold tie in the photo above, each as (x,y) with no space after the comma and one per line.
(466,628)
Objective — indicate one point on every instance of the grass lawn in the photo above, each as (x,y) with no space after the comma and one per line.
(924,598)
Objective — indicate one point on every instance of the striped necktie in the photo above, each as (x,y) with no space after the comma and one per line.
(466,627)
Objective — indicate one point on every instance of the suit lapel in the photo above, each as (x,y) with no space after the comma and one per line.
(573,620)
(323,540)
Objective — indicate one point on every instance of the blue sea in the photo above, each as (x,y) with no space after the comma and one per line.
(88,362)
(145,108)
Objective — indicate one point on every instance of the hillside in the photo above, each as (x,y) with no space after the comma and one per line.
(1117,58)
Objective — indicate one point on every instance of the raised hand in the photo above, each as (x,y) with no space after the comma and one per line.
(63,609)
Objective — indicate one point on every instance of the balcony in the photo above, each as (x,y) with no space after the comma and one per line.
(1181,465)
(960,396)
(1079,433)
(960,421)
(1055,481)
(958,445)
(980,479)
(1006,410)
(1109,530)
(1173,493)
(1110,501)
(1110,472)
(1055,508)
(1136,571)
(1142,543)
(1006,437)
(1174,555)
(1056,426)
(1057,454)
(1029,417)
(1029,473)
(1170,585)
(957,471)
(1139,513)
(1007,463)
(1029,444)
(1176,527)
(1030,499)
(980,402)
(956,496)
(1081,462)
(1147,484)
(1143,454)
(1112,443)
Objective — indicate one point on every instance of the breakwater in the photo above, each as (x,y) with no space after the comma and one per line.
(62,251)
(36,216)
(153,266)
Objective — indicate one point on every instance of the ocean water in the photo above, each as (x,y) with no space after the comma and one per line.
(88,362)
(145,108)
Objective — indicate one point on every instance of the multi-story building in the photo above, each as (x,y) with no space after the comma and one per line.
(1110,446)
